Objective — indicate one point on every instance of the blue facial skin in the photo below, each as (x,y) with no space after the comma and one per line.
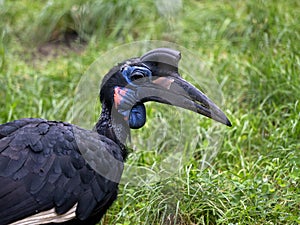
(137,116)
(132,73)
(135,112)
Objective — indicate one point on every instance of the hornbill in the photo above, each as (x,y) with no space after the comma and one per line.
(56,172)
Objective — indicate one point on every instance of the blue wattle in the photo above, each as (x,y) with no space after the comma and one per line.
(137,116)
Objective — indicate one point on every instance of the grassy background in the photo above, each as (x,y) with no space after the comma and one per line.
(251,46)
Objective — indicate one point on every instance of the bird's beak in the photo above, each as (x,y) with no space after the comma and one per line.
(174,90)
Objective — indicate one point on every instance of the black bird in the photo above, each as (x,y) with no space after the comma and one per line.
(56,172)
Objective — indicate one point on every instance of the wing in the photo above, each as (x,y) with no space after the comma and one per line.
(46,165)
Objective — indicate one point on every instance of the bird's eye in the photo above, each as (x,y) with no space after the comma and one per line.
(136,75)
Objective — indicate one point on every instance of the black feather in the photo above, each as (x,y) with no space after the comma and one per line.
(86,204)
(63,208)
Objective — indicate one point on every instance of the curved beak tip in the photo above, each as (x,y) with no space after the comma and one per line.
(222,119)
(228,123)
(220,116)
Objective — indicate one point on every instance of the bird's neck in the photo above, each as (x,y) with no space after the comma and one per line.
(113,126)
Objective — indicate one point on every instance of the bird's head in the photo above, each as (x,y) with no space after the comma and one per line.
(153,77)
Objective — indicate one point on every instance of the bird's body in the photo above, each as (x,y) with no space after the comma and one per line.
(41,168)
(56,172)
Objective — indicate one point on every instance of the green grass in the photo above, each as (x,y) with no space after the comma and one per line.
(252,47)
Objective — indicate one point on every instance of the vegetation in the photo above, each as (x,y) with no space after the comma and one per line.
(252,47)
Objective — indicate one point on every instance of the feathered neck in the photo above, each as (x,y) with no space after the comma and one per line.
(112,125)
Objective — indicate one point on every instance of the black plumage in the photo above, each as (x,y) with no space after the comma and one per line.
(41,167)
(56,172)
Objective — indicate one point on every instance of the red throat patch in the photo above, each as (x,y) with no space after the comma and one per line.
(118,96)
